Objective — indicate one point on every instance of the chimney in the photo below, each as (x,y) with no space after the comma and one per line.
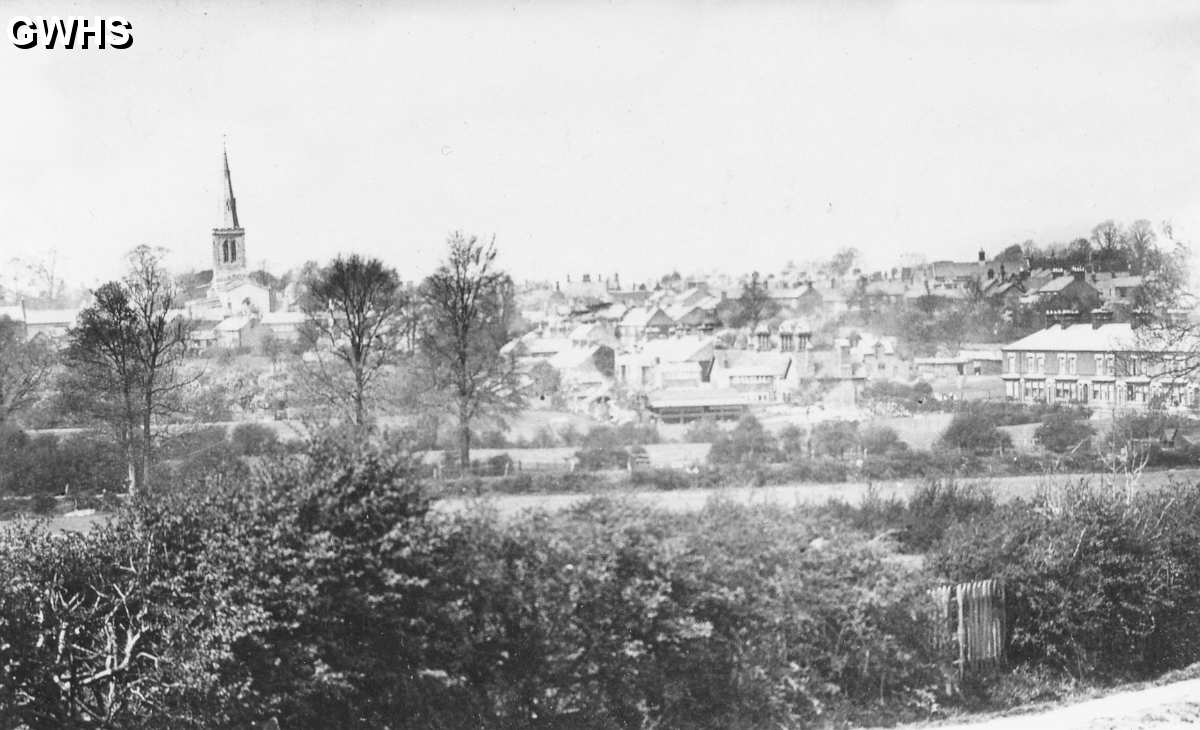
(1101,317)
(1077,273)
(982,256)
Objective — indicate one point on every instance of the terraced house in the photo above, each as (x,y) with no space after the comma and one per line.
(1104,365)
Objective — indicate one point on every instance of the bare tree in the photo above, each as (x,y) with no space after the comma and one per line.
(468,304)
(24,368)
(355,315)
(124,354)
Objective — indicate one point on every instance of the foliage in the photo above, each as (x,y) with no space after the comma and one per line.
(254,439)
(1063,431)
(835,438)
(47,464)
(747,442)
(1102,583)
(875,439)
(973,431)
(123,357)
(25,368)
(703,431)
(467,308)
(354,322)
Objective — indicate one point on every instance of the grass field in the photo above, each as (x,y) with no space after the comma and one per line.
(687,500)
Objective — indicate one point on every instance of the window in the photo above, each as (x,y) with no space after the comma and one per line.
(1062,363)
(1110,364)
(1072,364)
(1099,364)
(1029,362)
(224,252)
(232,251)
(1041,364)
(1012,362)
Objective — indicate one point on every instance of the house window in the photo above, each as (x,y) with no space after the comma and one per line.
(1072,364)
(1099,364)
(1041,364)
(1062,363)
(1110,364)
(1012,362)
(1029,362)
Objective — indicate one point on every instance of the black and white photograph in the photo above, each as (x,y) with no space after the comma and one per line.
(599,365)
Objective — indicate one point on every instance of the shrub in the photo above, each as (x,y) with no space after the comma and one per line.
(1064,431)
(748,442)
(704,431)
(877,439)
(254,439)
(974,432)
(1101,584)
(834,438)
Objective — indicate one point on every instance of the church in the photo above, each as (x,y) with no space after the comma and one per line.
(231,290)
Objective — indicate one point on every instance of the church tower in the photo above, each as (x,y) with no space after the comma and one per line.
(229,241)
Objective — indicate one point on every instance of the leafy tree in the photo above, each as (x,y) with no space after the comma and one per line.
(834,438)
(25,368)
(842,262)
(876,439)
(545,380)
(1064,431)
(755,305)
(124,354)
(973,431)
(791,440)
(748,442)
(467,306)
(353,309)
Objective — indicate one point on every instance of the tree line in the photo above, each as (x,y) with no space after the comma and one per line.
(369,339)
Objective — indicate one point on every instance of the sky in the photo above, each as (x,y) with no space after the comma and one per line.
(589,137)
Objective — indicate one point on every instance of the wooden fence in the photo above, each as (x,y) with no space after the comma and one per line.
(968,621)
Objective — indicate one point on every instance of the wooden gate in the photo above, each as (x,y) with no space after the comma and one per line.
(968,621)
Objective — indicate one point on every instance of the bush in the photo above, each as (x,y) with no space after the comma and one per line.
(254,439)
(973,432)
(835,438)
(1064,431)
(748,443)
(704,431)
(877,439)
(1100,584)
(49,464)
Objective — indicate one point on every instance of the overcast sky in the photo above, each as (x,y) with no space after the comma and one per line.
(600,137)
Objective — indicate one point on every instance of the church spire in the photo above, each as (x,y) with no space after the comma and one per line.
(231,216)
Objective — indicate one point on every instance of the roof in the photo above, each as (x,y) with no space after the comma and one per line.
(1056,285)
(751,362)
(693,397)
(584,331)
(573,357)
(956,269)
(51,316)
(642,317)
(679,349)
(1080,337)
(232,324)
(1124,281)
(283,318)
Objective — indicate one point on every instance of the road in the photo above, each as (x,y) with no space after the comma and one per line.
(1174,705)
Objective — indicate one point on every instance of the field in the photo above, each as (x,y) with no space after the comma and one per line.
(684,500)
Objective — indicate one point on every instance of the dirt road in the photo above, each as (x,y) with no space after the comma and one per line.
(1174,705)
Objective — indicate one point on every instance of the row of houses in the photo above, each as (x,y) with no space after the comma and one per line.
(1102,364)
(244,330)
